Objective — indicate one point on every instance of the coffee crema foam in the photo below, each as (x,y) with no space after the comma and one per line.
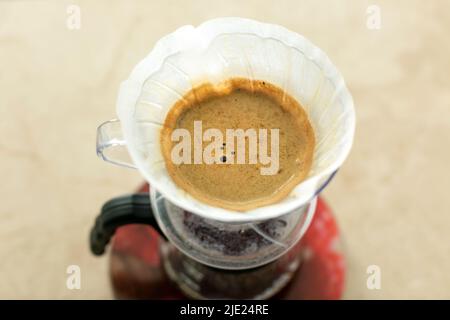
(240,103)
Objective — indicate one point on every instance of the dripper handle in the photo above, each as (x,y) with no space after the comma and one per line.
(117,212)
(111,146)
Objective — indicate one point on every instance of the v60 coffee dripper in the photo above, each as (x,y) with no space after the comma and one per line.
(212,252)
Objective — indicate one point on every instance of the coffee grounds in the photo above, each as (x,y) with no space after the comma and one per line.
(234,243)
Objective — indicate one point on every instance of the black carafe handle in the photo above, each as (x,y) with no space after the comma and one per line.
(129,209)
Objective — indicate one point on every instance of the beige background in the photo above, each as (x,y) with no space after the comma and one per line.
(56,85)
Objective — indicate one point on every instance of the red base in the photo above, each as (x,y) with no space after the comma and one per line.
(136,271)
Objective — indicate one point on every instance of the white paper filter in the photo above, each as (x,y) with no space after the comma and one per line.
(215,51)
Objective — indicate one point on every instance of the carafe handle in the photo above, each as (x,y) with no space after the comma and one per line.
(117,212)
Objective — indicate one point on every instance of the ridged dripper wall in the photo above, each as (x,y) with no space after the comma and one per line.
(218,50)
